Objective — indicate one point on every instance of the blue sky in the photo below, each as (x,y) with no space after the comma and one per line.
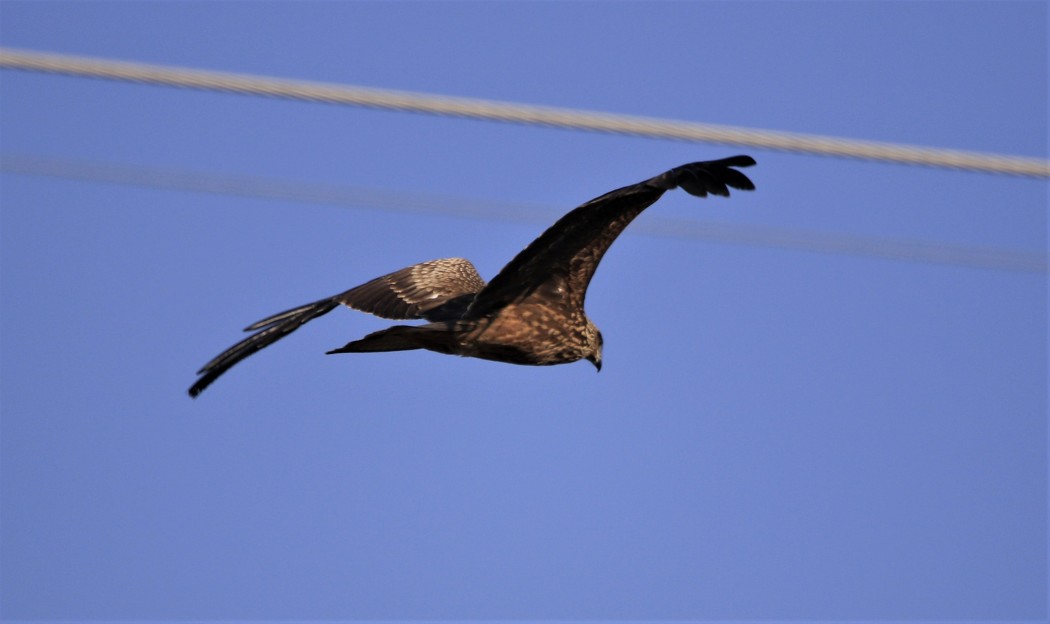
(776,434)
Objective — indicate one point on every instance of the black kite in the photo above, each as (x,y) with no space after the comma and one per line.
(530,313)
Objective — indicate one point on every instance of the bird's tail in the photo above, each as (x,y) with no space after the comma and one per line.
(401,338)
(267,331)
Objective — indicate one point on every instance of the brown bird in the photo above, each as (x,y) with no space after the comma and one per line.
(530,313)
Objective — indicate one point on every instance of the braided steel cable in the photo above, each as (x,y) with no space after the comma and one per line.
(520,113)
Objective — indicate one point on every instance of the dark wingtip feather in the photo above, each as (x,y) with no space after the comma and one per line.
(693,188)
(268,331)
(202,383)
(741,160)
(737,180)
(714,177)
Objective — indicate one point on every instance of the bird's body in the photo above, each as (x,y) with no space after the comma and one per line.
(531,313)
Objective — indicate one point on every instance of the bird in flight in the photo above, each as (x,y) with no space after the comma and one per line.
(530,313)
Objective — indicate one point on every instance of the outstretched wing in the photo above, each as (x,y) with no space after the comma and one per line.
(563,259)
(436,290)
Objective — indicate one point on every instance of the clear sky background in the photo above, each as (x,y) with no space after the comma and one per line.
(776,434)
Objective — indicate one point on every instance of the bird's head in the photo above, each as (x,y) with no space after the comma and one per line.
(594,345)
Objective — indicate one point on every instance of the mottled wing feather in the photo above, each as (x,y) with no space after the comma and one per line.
(432,290)
(568,253)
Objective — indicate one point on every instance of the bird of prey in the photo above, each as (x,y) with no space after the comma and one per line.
(530,313)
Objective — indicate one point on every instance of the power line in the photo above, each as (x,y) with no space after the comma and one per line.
(472,208)
(518,113)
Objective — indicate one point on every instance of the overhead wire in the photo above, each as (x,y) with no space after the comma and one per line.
(474,208)
(518,113)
